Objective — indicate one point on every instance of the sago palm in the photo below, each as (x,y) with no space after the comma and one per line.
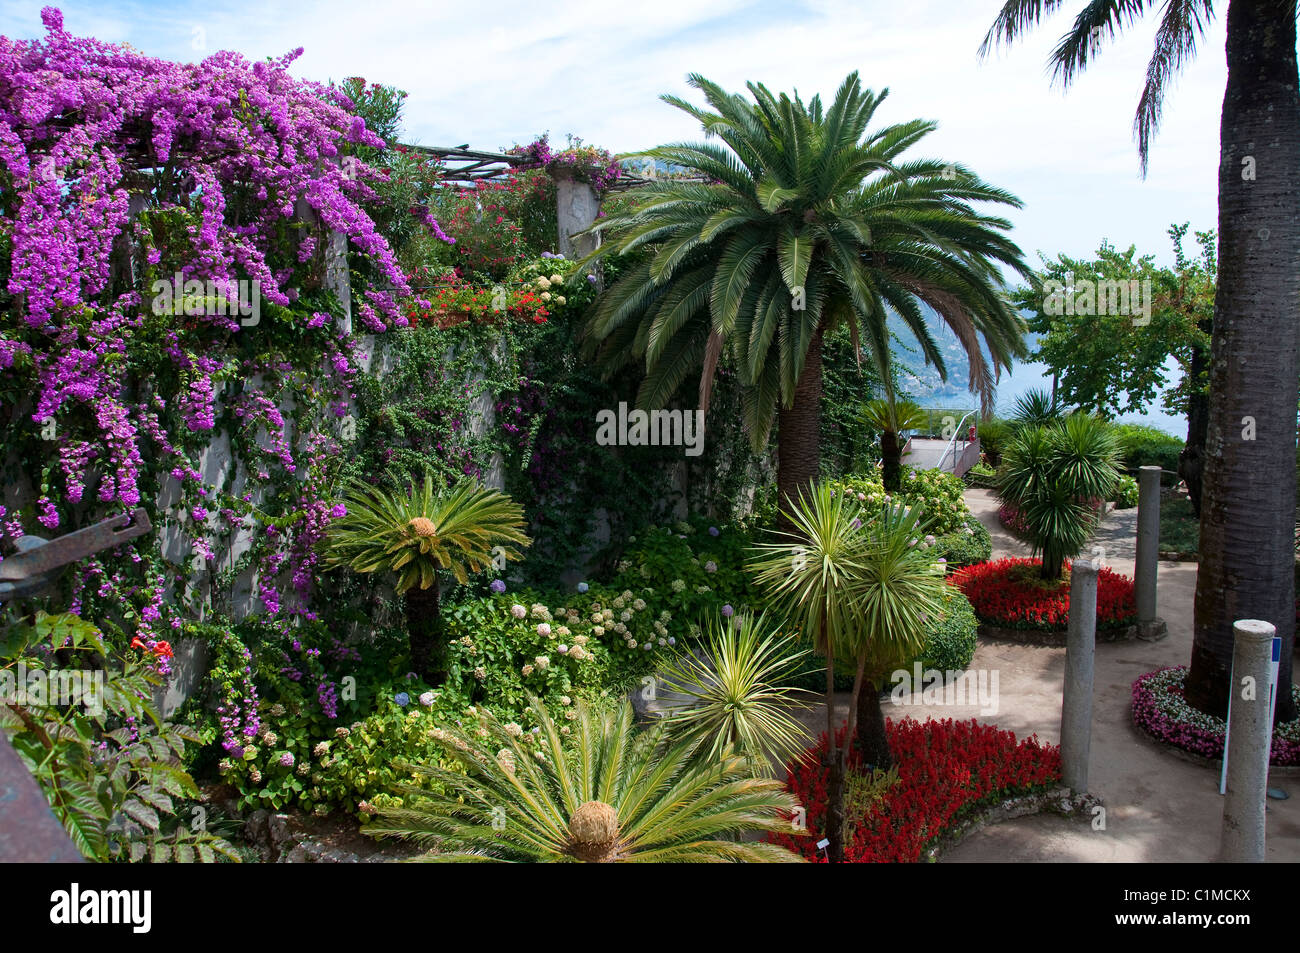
(1055,475)
(601,795)
(804,219)
(1247,557)
(417,534)
(891,417)
(734,681)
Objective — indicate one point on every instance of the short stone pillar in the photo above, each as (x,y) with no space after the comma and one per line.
(1076,696)
(1147,563)
(1250,732)
(577,206)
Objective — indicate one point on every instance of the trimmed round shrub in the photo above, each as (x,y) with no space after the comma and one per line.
(1142,446)
(951,642)
(1126,493)
(1161,711)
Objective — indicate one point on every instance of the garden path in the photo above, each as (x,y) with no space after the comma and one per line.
(1158,806)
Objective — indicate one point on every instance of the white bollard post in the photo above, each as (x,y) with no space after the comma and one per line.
(1249,735)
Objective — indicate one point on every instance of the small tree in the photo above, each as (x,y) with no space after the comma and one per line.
(464,530)
(1056,475)
(859,585)
(891,417)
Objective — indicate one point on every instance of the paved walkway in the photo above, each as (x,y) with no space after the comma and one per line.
(1158,806)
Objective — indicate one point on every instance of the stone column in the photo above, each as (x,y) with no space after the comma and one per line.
(1076,697)
(576,207)
(1148,545)
(1250,732)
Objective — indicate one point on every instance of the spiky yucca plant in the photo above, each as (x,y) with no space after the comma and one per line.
(463,530)
(602,795)
(738,699)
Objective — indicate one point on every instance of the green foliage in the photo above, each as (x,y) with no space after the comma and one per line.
(938,494)
(693,572)
(1126,492)
(1114,363)
(739,699)
(993,434)
(981,475)
(109,767)
(969,544)
(417,533)
(951,637)
(601,795)
(1140,445)
(1055,475)
(1035,408)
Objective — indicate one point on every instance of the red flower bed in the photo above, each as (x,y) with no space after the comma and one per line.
(946,770)
(1008,592)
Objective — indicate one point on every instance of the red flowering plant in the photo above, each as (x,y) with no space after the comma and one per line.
(1010,592)
(946,771)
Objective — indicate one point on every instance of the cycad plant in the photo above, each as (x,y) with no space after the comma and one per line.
(859,583)
(737,700)
(1055,475)
(891,417)
(416,534)
(800,219)
(601,795)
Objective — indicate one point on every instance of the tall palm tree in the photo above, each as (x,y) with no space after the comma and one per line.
(891,417)
(802,220)
(465,529)
(860,587)
(1247,545)
(605,796)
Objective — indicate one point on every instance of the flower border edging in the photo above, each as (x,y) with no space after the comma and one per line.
(1059,800)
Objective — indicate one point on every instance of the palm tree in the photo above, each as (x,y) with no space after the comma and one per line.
(862,593)
(604,797)
(891,417)
(800,220)
(1035,408)
(738,701)
(1246,568)
(465,529)
(1055,474)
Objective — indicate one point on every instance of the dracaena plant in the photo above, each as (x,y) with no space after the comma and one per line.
(600,795)
(859,582)
(108,765)
(416,534)
(734,692)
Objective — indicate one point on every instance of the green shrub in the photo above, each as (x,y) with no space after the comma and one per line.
(981,475)
(692,571)
(966,546)
(992,435)
(1142,446)
(1126,493)
(951,640)
(938,494)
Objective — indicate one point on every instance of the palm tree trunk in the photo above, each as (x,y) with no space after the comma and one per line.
(1247,548)
(798,455)
(891,461)
(871,741)
(428,655)
(1191,461)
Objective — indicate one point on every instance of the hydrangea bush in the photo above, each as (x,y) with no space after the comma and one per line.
(938,494)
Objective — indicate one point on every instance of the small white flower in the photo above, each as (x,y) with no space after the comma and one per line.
(543,630)
(710,566)
(427,699)
(562,649)
(518,611)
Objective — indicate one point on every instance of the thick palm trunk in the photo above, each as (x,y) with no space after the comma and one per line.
(891,461)
(798,453)
(428,655)
(870,739)
(1191,462)
(1247,548)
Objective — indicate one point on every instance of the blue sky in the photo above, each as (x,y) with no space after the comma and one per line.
(493,76)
